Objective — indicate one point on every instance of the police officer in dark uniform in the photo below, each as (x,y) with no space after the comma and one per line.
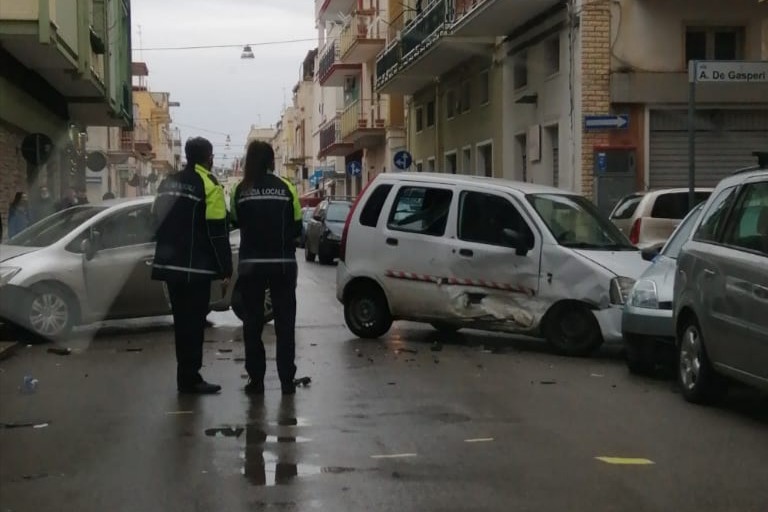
(267,210)
(192,250)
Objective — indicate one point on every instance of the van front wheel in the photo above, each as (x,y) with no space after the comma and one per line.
(572,330)
(366,312)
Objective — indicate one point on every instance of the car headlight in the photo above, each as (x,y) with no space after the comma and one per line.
(644,295)
(620,288)
(7,273)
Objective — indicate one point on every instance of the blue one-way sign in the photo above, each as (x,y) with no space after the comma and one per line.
(606,122)
(403,160)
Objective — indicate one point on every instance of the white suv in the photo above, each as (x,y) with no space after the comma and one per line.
(461,251)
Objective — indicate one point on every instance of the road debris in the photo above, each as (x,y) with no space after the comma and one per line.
(239,359)
(406,351)
(177,413)
(436,347)
(29,385)
(479,440)
(627,461)
(39,425)
(596,375)
(225,350)
(302,381)
(394,456)
(59,351)
(549,381)
(134,349)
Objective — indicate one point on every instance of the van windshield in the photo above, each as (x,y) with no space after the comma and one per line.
(575,222)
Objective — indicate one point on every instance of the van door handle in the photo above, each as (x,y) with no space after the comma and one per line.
(709,273)
(392,241)
(149,262)
(466,252)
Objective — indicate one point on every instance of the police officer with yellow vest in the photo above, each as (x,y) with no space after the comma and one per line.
(192,250)
(267,210)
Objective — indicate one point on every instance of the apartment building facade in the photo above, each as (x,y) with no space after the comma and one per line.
(64,65)
(543,69)
(360,128)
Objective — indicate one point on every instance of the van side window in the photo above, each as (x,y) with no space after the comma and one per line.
(372,210)
(748,227)
(674,205)
(421,210)
(484,217)
(713,220)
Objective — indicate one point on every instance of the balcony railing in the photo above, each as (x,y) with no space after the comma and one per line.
(364,116)
(328,58)
(426,26)
(330,133)
(138,138)
(362,29)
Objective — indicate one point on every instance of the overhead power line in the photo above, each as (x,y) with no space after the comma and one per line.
(203,47)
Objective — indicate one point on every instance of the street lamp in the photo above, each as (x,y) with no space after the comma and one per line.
(247,52)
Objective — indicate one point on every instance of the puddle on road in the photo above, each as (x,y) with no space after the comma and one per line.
(267,469)
(253,435)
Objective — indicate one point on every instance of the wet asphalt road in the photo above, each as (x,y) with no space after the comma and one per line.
(486,423)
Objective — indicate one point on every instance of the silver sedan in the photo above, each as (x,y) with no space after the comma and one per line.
(86,264)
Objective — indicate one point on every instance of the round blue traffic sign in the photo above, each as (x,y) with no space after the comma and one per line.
(403,160)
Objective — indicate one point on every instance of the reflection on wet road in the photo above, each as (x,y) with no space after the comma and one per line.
(416,421)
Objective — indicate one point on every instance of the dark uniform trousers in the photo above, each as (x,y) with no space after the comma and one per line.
(189,304)
(281,281)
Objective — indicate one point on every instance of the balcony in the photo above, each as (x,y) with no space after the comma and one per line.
(362,38)
(421,39)
(330,9)
(331,142)
(53,39)
(476,18)
(445,34)
(137,140)
(364,123)
(332,71)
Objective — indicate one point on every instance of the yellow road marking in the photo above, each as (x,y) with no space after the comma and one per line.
(625,461)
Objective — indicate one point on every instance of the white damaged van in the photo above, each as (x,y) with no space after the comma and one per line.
(482,253)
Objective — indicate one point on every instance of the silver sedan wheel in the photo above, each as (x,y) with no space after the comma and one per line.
(49,314)
(691,358)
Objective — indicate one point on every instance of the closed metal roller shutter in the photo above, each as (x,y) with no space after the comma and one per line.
(725,140)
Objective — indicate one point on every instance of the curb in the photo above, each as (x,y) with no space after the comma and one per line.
(8,348)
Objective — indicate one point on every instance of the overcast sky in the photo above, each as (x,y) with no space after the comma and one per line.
(217,90)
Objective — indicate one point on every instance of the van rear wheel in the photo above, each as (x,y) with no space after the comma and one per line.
(572,330)
(366,312)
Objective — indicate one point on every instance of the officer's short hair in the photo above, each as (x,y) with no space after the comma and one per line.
(198,150)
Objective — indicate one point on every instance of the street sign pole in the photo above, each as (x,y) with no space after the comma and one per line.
(692,71)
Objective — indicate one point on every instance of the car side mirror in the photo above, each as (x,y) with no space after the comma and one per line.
(516,240)
(651,253)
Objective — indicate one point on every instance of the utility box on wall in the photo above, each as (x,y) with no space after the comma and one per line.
(615,171)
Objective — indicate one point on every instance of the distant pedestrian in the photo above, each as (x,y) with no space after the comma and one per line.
(266,208)
(68,200)
(82,196)
(43,205)
(107,196)
(192,250)
(18,214)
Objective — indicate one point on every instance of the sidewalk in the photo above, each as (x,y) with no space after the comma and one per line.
(7,348)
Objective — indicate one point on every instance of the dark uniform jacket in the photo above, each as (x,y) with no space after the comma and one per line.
(269,217)
(192,231)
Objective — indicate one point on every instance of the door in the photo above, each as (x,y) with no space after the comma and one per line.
(745,274)
(707,275)
(118,278)
(413,249)
(495,282)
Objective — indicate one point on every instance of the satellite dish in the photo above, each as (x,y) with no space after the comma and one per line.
(96,161)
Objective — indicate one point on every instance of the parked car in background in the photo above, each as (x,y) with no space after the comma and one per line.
(306,216)
(324,230)
(721,290)
(649,218)
(461,251)
(646,324)
(87,264)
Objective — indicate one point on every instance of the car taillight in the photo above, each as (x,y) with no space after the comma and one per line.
(343,245)
(634,234)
